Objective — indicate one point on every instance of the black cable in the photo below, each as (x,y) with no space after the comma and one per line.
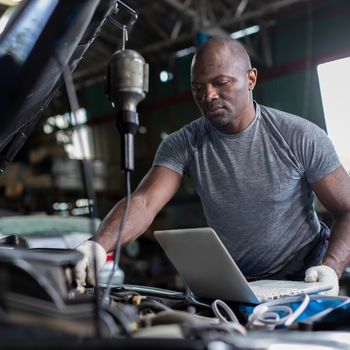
(125,216)
(122,295)
(87,171)
(118,244)
(153,305)
(121,320)
(87,175)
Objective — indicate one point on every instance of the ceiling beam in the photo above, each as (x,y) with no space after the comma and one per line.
(184,8)
(156,27)
(266,9)
(241,7)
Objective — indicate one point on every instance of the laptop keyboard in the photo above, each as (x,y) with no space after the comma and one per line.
(269,293)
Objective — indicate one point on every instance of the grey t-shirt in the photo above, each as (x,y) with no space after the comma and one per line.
(255,185)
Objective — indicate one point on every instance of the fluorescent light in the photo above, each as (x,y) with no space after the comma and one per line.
(142,129)
(165,76)
(185,52)
(245,32)
(235,35)
(48,129)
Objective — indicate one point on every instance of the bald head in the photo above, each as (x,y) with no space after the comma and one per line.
(237,51)
(222,82)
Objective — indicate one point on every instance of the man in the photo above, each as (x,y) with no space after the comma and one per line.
(256,170)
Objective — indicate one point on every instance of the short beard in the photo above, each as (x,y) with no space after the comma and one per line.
(219,123)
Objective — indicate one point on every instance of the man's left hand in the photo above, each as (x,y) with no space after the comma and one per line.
(323,273)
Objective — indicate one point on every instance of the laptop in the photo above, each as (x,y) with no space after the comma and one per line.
(210,272)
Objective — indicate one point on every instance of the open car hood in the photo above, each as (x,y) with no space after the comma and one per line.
(39,40)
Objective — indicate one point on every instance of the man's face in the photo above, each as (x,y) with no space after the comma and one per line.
(221,87)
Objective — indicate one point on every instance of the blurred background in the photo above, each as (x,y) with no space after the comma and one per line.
(301,49)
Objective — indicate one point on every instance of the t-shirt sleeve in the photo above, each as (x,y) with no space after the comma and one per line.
(317,153)
(173,153)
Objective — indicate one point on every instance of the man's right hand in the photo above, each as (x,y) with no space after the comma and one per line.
(155,190)
(84,269)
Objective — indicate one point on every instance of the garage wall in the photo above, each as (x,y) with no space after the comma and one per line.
(298,46)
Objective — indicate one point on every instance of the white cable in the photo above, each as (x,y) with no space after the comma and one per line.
(301,308)
(268,314)
(215,307)
(233,320)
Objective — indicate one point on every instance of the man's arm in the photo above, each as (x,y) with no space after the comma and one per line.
(155,190)
(334,193)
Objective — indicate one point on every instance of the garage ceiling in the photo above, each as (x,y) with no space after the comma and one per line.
(164,27)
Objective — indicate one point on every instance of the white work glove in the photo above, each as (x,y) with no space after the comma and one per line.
(323,273)
(84,269)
